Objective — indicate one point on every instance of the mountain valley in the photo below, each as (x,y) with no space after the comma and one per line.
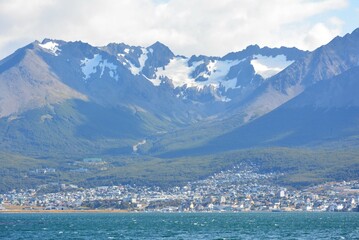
(129,114)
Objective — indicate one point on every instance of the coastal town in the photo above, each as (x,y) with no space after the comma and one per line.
(240,189)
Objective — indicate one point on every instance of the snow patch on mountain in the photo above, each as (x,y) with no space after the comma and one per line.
(122,59)
(137,145)
(90,66)
(217,72)
(179,72)
(52,47)
(46,117)
(269,66)
(142,60)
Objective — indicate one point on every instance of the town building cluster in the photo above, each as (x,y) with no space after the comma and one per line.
(239,189)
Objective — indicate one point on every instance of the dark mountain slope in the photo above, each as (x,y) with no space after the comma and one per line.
(326,112)
(338,56)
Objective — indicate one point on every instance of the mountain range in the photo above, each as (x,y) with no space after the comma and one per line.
(63,102)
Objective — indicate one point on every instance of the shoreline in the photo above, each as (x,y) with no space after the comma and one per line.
(27,210)
(64,211)
(22,209)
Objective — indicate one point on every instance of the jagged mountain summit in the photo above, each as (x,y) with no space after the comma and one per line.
(122,92)
(204,78)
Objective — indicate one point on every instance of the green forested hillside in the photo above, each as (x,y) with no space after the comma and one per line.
(300,168)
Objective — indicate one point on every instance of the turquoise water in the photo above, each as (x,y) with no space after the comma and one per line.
(180,226)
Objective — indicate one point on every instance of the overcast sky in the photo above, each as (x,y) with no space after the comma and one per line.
(211,27)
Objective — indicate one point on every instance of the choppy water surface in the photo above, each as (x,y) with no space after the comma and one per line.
(180,226)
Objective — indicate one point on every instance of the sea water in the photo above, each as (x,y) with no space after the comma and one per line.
(179,226)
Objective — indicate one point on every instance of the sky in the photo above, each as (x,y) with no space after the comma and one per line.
(209,27)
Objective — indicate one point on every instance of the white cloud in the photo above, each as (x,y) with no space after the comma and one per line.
(322,33)
(187,27)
